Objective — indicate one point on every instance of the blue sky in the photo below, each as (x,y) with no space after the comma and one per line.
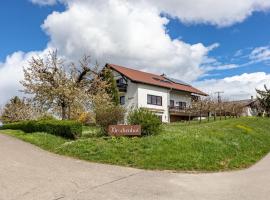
(253,32)
(20,22)
(214,46)
(22,32)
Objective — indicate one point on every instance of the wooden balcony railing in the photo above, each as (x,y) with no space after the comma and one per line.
(177,108)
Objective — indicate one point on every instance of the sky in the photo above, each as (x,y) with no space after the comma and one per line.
(214,45)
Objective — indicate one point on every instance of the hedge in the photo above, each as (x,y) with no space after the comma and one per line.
(67,129)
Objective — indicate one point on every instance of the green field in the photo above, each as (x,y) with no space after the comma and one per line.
(214,146)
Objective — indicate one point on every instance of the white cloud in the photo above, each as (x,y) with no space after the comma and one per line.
(221,67)
(236,87)
(133,33)
(125,33)
(11,72)
(215,12)
(238,53)
(44,2)
(260,54)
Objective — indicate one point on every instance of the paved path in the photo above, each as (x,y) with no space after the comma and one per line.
(27,172)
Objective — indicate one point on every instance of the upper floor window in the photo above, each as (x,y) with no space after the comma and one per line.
(122,100)
(154,100)
(182,105)
(120,81)
(195,98)
(172,103)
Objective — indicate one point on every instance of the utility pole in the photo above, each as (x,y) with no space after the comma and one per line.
(219,96)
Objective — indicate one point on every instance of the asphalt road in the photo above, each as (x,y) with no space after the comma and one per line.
(27,172)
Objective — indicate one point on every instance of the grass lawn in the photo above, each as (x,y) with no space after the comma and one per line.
(221,145)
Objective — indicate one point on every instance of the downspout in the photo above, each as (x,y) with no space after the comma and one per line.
(168,106)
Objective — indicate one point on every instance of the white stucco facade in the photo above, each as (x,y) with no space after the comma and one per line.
(181,96)
(135,96)
(131,96)
(144,90)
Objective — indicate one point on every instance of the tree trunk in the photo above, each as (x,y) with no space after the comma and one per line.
(64,111)
(201,113)
(69,112)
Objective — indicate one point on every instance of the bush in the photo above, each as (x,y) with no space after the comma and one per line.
(86,118)
(149,122)
(109,115)
(46,117)
(67,129)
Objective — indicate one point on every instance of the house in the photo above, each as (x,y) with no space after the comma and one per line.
(166,97)
(250,106)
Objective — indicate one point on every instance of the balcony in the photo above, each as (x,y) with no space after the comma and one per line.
(178,110)
(122,87)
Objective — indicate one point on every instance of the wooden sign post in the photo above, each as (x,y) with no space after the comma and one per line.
(124,130)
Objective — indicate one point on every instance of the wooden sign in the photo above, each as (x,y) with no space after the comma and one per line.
(125,130)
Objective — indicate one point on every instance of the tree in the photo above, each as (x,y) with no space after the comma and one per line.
(17,110)
(106,112)
(264,99)
(112,90)
(208,106)
(63,88)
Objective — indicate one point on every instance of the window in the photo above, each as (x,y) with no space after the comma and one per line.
(120,81)
(195,98)
(172,103)
(122,100)
(182,105)
(154,100)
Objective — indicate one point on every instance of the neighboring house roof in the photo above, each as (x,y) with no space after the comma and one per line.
(153,79)
(245,102)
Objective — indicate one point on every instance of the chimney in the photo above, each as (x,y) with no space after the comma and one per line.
(252,98)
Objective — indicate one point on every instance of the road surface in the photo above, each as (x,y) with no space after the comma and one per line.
(27,172)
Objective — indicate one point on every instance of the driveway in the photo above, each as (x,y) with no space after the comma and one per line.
(27,172)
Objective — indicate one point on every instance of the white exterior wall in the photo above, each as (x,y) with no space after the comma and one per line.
(144,90)
(248,112)
(136,97)
(180,96)
(131,96)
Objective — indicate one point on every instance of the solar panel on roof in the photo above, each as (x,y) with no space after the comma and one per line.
(161,80)
(177,81)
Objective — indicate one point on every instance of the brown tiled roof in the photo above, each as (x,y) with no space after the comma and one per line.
(153,79)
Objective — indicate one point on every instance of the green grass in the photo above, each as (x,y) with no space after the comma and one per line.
(221,145)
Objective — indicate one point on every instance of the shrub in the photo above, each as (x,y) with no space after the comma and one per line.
(109,115)
(46,116)
(149,122)
(86,118)
(67,129)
